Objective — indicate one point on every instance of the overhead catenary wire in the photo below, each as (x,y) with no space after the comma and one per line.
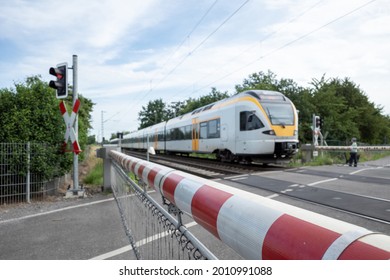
(176,50)
(286,45)
(195,49)
(190,33)
(254,45)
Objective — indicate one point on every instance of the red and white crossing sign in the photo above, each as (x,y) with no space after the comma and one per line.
(69,121)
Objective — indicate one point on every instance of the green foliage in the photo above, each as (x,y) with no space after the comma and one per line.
(347,112)
(157,111)
(193,103)
(30,113)
(95,176)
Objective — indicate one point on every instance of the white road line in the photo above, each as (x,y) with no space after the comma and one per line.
(267,172)
(323,181)
(138,244)
(238,179)
(55,211)
(235,176)
(364,169)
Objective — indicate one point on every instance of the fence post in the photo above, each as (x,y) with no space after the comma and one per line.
(28,186)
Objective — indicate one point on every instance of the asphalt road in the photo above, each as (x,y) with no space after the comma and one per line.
(92,229)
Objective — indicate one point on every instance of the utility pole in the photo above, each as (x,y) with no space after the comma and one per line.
(102,120)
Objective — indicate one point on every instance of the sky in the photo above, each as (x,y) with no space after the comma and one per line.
(131,52)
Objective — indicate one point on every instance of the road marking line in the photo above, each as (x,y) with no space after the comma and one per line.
(287,190)
(138,244)
(55,211)
(235,176)
(272,196)
(364,169)
(323,181)
(241,178)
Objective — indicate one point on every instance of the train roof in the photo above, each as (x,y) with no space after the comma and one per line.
(266,95)
(262,95)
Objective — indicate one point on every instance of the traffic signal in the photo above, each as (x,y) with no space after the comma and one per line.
(318,121)
(61,84)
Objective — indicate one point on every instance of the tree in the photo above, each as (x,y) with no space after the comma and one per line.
(194,103)
(154,112)
(157,111)
(30,113)
(348,112)
(261,80)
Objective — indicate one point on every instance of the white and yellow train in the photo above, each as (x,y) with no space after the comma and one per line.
(252,125)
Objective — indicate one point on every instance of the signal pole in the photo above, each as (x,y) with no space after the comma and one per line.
(76,129)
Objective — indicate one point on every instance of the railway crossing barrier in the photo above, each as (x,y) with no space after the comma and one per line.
(347,148)
(309,151)
(254,226)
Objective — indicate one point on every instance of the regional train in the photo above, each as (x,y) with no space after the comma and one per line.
(255,125)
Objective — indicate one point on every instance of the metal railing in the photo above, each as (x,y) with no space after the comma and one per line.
(20,177)
(152,231)
(368,155)
(253,226)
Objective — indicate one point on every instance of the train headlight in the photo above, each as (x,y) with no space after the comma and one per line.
(295,132)
(269,132)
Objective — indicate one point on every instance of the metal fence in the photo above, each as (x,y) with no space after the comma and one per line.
(152,231)
(367,155)
(22,178)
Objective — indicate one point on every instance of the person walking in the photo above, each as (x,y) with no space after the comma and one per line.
(353,153)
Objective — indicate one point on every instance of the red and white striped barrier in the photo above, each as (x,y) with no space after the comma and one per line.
(258,227)
(348,148)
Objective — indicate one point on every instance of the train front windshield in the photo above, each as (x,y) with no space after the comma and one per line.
(279,113)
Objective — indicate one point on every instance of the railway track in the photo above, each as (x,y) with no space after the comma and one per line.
(207,168)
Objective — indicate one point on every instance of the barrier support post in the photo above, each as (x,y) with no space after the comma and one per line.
(103,153)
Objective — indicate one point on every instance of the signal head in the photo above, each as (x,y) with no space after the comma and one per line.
(61,84)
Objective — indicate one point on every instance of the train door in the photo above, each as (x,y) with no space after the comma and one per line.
(241,135)
(195,134)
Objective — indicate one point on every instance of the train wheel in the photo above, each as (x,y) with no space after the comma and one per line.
(245,160)
(226,156)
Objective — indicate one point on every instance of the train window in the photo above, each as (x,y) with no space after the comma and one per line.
(210,129)
(168,135)
(188,130)
(203,130)
(280,113)
(249,121)
(214,129)
(160,136)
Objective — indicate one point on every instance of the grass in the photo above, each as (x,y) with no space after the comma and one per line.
(95,175)
(92,170)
